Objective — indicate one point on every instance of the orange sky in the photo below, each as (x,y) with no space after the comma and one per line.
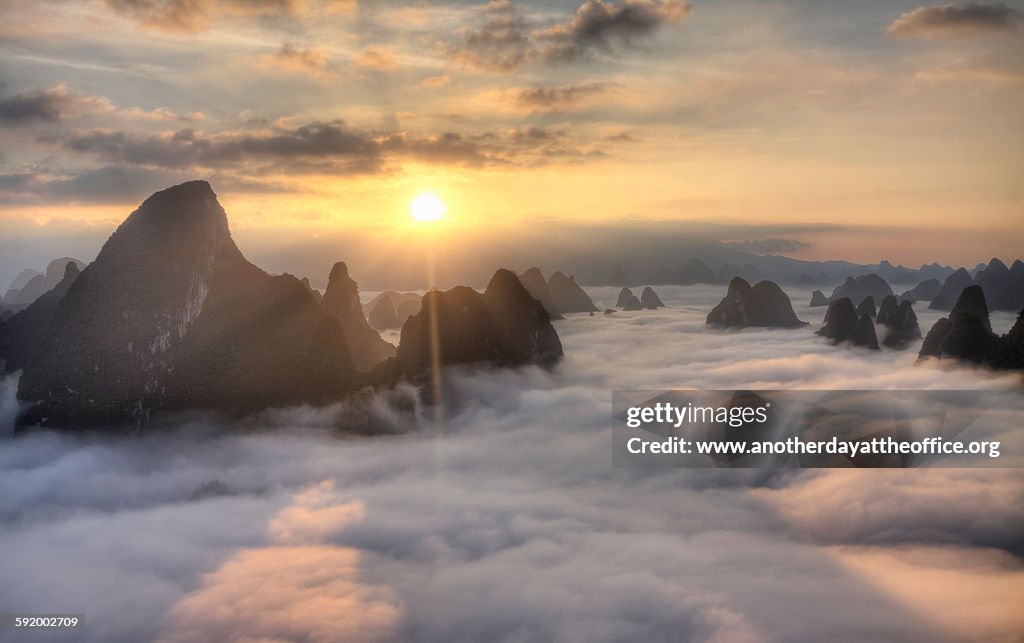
(899,123)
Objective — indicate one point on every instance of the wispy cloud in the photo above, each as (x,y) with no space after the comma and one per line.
(193,15)
(59,103)
(561,97)
(963,20)
(49,105)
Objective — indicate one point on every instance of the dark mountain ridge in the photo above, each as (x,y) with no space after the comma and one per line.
(172,317)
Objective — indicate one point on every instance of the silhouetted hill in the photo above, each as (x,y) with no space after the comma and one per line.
(317,295)
(951,289)
(867,306)
(567,296)
(900,323)
(404,303)
(19,282)
(22,333)
(840,320)
(341,300)
(887,310)
(967,335)
(857,288)
(694,271)
(625,295)
(171,315)
(764,304)
(1004,289)
(650,300)
(533,281)
(818,299)
(632,302)
(926,290)
(864,333)
(407,309)
(37,284)
(383,316)
(504,326)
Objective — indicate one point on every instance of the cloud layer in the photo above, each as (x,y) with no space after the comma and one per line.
(505,520)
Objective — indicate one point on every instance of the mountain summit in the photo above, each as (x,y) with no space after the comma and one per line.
(171,315)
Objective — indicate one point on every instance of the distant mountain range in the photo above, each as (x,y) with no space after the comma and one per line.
(725,263)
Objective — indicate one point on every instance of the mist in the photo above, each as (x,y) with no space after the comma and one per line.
(503,519)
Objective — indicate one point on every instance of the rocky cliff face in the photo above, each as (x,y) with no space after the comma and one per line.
(764,304)
(341,300)
(22,334)
(818,298)
(503,326)
(170,315)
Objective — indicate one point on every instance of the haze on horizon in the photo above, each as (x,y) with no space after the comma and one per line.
(857,131)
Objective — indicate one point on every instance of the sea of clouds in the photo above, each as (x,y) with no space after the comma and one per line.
(502,519)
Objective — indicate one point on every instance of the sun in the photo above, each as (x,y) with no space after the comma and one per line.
(427,207)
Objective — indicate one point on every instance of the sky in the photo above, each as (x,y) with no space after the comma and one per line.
(863,131)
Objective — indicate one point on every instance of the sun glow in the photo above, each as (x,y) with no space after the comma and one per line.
(427,207)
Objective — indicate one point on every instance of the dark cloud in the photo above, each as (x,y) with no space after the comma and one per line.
(135,165)
(187,148)
(768,246)
(504,39)
(600,26)
(106,184)
(59,103)
(970,19)
(48,105)
(319,147)
(562,97)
